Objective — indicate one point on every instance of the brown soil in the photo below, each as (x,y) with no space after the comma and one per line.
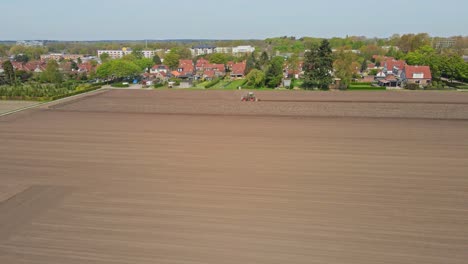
(199,177)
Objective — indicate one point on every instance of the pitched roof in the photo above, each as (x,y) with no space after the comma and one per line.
(186,66)
(414,72)
(390,78)
(160,67)
(209,73)
(215,67)
(392,63)
(238,68)
(202,62)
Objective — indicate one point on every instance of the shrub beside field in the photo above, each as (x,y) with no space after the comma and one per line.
(120,85)
(364,87)
(44,92)
(213,83)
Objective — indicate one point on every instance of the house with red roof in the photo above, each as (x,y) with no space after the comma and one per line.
(238,70)
(86,67)
(392,66)
(389,81)
(207,70)
(201,64)
(159,69)
(32,66)
(186,69)
(417,74)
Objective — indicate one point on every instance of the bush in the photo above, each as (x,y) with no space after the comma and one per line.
(158,85)
(92,88)
(120,85)
(43,92)
(213,83)
(412,86)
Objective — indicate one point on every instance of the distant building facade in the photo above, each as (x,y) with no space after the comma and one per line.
(30,43)
(61,56)
(202,50)
(117,54)
(242,50)
(207,49)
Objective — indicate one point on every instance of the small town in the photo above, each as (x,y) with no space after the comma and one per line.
(246,132)
(413,61)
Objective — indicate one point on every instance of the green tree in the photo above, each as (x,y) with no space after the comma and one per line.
(52,73)
(157,60)
(293,63)
(104,57)
(184,53)
(251,63)
(22,58)
(74,66)
(138,53)
(23,76)
(9,72)
(255,78)
(346,66)
(318,66)
(118,69)
(144,63)
(79,61)
(172,60)
(274,73)
(219,58)
(264,59)
(364,65)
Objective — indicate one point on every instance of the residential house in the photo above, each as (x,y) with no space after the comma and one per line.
(389,81)
(32,66)
(381,75)
(86,68)
(394,67)
(35,66)
(159,69)
(371,66)
(416,74)
(209,74)
(214,70)
(293,72)
(186,69)
(60,56)
(238,70)
(200,66)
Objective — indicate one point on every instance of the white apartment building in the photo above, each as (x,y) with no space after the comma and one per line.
(202,50)
(240,50)
(30,43)
(225,50)
(117,54)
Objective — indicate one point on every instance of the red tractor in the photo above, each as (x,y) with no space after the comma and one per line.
(250,97)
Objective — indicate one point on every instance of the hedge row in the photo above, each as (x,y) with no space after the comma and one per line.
(120,85)
(213,83)
(367,88)
(92,88)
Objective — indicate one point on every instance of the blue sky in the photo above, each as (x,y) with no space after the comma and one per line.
(221,19)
